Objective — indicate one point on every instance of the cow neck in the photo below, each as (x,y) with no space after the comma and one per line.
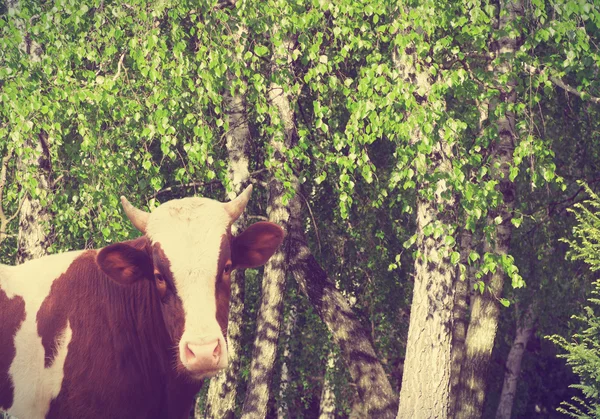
(119,340)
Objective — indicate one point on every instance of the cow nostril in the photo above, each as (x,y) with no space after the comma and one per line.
(217,351)
(189,354)
(207,352)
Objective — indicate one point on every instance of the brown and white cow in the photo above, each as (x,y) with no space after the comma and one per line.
(130,330)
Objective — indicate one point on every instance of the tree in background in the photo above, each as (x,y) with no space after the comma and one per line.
(414,125)
(583,349)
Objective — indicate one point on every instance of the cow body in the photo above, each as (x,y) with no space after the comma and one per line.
(128,331)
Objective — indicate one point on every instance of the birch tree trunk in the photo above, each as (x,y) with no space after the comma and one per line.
(427,368)
(273,289)
(33,167)
(513,365)
(425,390)
(34,218)
(374,390)
(485,307)
(459,320)
(283,411)
(222,392)
(5,220)
(327,406)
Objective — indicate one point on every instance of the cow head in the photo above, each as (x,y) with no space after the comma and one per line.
(190,256)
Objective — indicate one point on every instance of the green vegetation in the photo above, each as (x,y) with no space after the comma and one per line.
(428,156)
(583,349)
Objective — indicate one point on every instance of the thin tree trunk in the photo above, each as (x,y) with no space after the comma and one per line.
(222,392)
(273,289)
(327,406)
(32,162)
(269,315)
(513,365)
(283,411)
(464,286)
(374,390)
(4,219)
(34,218)
(485,307)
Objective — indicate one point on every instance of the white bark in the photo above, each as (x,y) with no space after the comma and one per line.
(222,392)
(485,309)
(290,324)
(426,380)
(32,239)
(513,365)
(427,368)
(327,407)
(273,286)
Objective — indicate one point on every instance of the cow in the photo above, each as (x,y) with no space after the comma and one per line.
(132,329)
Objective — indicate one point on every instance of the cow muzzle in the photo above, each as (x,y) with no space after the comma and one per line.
(203,358)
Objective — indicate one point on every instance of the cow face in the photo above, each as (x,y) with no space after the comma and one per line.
(189,257)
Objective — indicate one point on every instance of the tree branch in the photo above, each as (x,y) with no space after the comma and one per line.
(198,184)
(116,76)
(186,185)
(532,70)
(313,219)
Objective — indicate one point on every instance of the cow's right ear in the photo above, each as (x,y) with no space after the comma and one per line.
(124,264)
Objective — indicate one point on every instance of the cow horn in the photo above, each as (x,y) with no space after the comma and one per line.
(235,207)
(138,218)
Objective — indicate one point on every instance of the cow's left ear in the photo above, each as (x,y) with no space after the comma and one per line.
(124,263)
(256,245)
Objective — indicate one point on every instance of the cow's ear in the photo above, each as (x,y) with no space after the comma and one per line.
(256,245)
(124,263)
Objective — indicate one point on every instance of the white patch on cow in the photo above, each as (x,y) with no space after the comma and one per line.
(190,231)
(34,385)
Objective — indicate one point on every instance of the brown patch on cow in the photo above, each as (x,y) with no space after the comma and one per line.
(173,313)
(12,315)
(121,355)
(223,283)
(51,321)
(162,265)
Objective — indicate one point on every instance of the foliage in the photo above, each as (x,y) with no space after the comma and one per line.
(583,350)
(586,243)
(131,94)
(583,355)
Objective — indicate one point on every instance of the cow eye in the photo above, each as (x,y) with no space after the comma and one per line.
(160,284)
(227,268)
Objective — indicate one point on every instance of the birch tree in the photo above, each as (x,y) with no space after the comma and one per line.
(33,160)
(270,313)
(222,393)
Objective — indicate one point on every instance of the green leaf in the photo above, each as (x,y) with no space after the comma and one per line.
(261,50)
(454,258)
(408,243)
(473,256)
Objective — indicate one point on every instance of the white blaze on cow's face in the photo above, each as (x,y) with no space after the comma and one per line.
(190,255)
(194,235)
